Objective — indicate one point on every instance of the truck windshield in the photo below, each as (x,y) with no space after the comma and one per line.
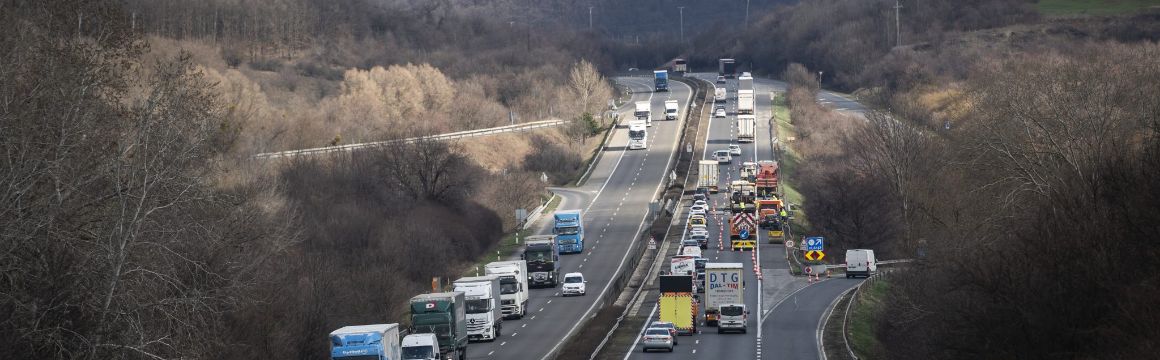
(509,285)
(358,357)
(538,255)
(568,230)
(418,353)
(636,135)
(731,311)
(478,306)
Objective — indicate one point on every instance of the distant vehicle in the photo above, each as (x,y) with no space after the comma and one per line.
(734,317)
(723,156)
(637,135)
(701,281)
(697,220)
(746,128)
(513,286)
(693,249)
(720,93)
(574,284)
(701,202)
(484,314)
(860,262)
(745,101)
(719,107)
(699,197)
(697,210)
(719,113)
(727,68)
(698,230)
(680,66)
(735,150)
(658,339)
(378,341)
(672,108)
(643,112)
(543,260)
(702,240)
(633,69)
(661,80)
(420,347)
(690,242)
(442,314)
(667,326)
(569,230)
(720,79)
(746,74)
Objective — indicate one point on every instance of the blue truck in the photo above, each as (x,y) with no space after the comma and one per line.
(569,231)
(363,342)
(662,80)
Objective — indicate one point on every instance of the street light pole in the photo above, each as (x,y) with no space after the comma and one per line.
(682,9)
(589,18)
(747,14)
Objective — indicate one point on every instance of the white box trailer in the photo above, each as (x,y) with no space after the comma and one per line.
(746,128)
(644,112)
(745,82)
(719,94)
(725,286)
(745,102)
(707,175)
(513,286)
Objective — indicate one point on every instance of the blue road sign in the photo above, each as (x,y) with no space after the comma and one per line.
(744,234)
(815,243)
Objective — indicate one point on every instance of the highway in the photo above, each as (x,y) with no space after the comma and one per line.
(615,201)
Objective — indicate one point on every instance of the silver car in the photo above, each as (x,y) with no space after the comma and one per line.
(657,338)
(719,113)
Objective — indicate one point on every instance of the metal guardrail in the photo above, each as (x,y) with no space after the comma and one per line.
(440,137)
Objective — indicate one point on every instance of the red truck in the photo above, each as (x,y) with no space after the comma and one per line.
(767,179)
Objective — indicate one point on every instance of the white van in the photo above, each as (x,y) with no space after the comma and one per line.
(723,157)
(860,262)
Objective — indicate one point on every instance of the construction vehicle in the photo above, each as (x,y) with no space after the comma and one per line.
(743,216)
(766,178)
(445,315)
(543,260)
(749,171)
(767,214)
(677,304)
(724,287)
(513,286)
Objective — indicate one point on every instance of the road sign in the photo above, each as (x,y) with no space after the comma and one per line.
(652,244)
(789,244)
(809,269)
(744,234)
(521,214)
(813,255)
(815,243)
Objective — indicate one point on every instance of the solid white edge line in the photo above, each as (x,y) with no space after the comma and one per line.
(676,139)
(818,336)
(642,329)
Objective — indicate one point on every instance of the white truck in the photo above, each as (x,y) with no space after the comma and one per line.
(745,82)
(420,347)
(746,127)
(377,341)
(637,135)
(672,109)
(725,286)
(719,95)
(708,171)
(513,286)
(483,309)
(860,262)
(683,264)
(745,101)
(644,112)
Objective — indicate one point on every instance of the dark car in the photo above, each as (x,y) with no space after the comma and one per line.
(702,240)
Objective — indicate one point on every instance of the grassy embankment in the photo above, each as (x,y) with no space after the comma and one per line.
(787,165)
(863,317)
(508,246)
(1093,7)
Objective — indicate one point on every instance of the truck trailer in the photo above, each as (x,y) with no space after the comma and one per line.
(661,80)
(727,68)
(484,316)
(746,127)
(745,101)
(745,82)
(680,66)
(707,175)
(543,260)
(569,230)
(513,286)
(378,341)
(725,286)
(444,315)
(643,112)
(676,303)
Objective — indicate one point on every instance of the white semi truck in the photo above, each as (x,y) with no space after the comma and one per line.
(745,82)
(746,127)
(719,94)
(637,135)
(513,286)
(644,112)
(483,308)
(672,109)
(709,170)
(725,286)
(745,101)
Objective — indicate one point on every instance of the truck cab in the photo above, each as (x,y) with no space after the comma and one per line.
(569,231)
(543,260)
(513,286)
(420,347)
(361,342)
(661,80)
(442,315)
(637,135)
(484,319)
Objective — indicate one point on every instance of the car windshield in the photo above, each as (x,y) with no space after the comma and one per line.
(478,306)
(655,331)
(418,352)
(731,310)
(573,280)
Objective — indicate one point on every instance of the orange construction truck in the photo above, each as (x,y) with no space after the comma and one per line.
(767,179)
